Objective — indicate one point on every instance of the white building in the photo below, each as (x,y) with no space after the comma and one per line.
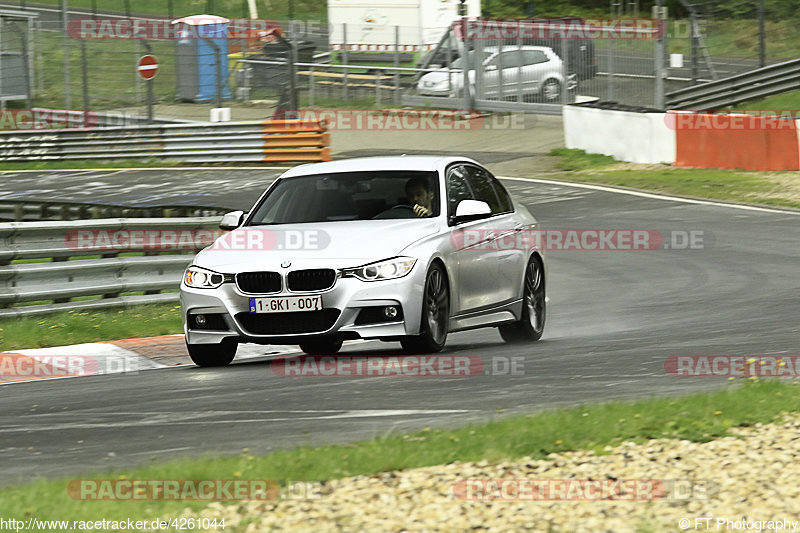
(370,24)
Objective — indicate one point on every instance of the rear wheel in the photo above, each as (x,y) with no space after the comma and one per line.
(551,90)
(321,346)
(212,354)
(534,309)
(435,315)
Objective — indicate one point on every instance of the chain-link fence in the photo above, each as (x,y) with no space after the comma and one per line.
(719,39)
(375,64)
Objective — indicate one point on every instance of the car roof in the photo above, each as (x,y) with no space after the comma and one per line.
(366,164)
(512,47)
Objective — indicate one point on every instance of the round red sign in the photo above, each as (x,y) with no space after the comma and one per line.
(147,66)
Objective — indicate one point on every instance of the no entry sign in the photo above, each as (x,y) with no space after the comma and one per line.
(147,67)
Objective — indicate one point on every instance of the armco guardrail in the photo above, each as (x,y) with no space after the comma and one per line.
(33,210)
(72,270)
(758,83)
(268,140)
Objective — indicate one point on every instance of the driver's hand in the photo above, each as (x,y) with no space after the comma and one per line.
(422,211)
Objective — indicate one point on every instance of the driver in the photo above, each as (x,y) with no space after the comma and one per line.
(420,196)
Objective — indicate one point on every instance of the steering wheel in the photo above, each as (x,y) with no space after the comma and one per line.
(396,210)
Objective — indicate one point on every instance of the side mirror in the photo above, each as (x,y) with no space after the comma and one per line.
(471,210)
(231,221)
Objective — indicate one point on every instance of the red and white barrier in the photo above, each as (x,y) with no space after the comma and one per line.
(627,136)
(687,139)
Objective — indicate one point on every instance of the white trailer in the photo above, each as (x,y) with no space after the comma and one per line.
(371,24)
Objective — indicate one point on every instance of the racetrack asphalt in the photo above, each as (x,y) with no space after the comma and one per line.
(614,318)
(515,145)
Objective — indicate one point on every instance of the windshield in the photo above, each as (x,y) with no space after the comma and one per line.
(459,63)
(350,196)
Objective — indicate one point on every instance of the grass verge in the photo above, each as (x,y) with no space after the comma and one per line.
(75,327)
(572,159)
(698,417)
(788,101)
(768,188)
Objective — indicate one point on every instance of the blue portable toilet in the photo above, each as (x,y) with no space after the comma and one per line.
(196,57)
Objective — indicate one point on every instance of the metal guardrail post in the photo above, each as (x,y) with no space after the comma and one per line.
(65,43)
(610,51)
(311,87)
(565,60)
(345,92)
(520,81)
(85,83)
(659,60)
(695,31)
(762,60)
(397,64)
(377,88)
(149,88)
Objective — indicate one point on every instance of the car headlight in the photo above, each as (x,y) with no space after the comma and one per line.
(388,269)
(200,278)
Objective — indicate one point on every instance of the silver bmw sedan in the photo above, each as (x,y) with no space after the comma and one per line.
(401,248)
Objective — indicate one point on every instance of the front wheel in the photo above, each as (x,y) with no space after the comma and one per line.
(531,326)
(212,354)
(321,346)
(435,315)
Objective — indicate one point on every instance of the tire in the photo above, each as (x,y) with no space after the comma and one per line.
(435,315)
(212,354)
(321,346)
(534,307)
(551,91)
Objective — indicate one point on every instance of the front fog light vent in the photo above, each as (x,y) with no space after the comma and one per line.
(208,321)
(379,315)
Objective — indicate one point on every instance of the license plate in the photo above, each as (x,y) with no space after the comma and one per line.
(285,304)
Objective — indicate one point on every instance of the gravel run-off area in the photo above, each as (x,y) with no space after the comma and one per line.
(749,481)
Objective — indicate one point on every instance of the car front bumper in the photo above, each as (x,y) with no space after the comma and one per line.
(348,295)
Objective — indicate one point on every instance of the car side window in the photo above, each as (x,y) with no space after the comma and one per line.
(509,59)
(506,206)
(534,57)
(457,188)
(481,183)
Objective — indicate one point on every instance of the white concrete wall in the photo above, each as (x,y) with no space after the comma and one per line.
(624,135)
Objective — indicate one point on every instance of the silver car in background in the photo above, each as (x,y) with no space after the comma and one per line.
(404,248)
(535,71)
